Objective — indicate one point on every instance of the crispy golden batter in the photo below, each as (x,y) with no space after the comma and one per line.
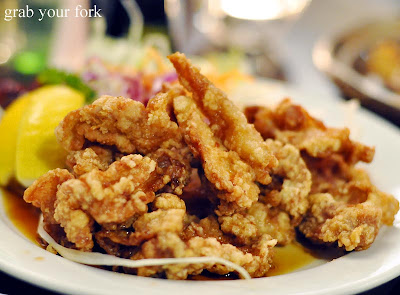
(353,227)
(83,161)
(272,221)
(328,174)
(122,122)
(167,201)
(233,178)
(359,186)
(42,193)
(386,202)
(290,123)
(168,218)
(257,260)
(243,228)
(292,198)
(260,219)
(173,164)
(207,227)
(160,221)
(227,122)
(346,208)
(148,226)
(111,196)
(350,185)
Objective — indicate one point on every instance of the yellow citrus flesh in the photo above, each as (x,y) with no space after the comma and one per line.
(9,125)
(37,149)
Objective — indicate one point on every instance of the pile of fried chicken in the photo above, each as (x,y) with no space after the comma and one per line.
(191,175)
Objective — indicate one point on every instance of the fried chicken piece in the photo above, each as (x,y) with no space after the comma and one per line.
(227,209)
(231,177)
(345,206)
(111,196)
(360,189)
(173,162)
(122,239)
(353,227)
(272,221)
(160,221)
(290,123)
(122,122)
(344,199)
(388,204)
(257,261)
(147,226)
(242,228)
(329,174)
(227,122)
(42,193)
(292,198)
(246,227)
(349,185)
(168,218)
(167,201)
(260,219)
(207,227)
(84,161)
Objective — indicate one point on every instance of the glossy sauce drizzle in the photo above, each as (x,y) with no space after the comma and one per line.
(25,218)
(289,258)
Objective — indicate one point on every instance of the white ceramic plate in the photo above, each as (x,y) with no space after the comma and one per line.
(350,274)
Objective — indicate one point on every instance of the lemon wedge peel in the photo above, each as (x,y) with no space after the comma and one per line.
(9,125)
(37,150)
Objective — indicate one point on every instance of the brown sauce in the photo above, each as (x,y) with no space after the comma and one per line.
(25,218)
(286,259)
(290,258)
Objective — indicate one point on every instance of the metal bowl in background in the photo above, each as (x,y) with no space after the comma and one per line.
(342,57)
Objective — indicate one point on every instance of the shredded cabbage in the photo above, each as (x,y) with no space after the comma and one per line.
(91,258)
(138,67)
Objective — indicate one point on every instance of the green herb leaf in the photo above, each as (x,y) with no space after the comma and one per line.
(54,76)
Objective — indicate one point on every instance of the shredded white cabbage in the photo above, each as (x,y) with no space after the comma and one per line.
(91,258)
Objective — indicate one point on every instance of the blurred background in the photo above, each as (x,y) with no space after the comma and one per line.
(292,40)
(328,47)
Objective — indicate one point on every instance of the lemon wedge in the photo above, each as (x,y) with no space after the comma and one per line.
(8,133)
(37,149)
